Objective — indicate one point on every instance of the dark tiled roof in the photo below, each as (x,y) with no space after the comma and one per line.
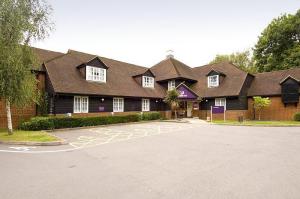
(45,55)
(268,83)
(230,86)
(171,68)
(66,78)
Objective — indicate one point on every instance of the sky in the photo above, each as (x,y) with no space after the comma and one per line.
(141,32)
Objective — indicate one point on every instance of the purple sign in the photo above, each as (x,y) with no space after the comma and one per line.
(101,108)
(217,109)
(185,93)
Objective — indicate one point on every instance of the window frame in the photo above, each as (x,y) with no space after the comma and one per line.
(148,82)
(95,74)
(170,84)
(218,102)
(120,106)
(210,84)
(78,100)
(145,105)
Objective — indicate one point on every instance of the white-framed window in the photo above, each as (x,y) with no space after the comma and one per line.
(145,105)
(171,85)
(220,102)
(81,104)
(95,74)
(148,81)
(118,104)
(213,81)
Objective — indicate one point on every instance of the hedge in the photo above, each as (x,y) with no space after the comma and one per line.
(49,123)
(297,116)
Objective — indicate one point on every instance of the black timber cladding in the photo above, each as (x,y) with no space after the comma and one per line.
(290,91)
(64,104)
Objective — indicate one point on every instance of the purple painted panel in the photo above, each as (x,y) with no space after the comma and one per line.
(185,93)
(101,108)
(217,109)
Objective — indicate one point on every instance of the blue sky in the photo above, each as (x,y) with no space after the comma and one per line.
(140,32)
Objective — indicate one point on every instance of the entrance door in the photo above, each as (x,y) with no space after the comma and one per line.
(189,109)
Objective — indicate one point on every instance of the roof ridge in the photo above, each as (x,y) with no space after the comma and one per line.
(175,67)
(75,51)
(282,70)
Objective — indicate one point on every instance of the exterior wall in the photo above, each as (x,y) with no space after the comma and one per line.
(276,111)
(230,114)
(18,114)
(232,103)
(64,104)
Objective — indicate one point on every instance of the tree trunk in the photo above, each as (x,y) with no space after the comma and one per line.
(259,115)
(8,115)
(175,114)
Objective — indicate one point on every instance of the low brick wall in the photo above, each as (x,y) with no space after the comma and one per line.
(18,114)
(230,114)
(276,111)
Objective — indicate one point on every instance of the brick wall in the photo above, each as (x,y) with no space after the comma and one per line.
(230,114)
(18,114)
(276,111)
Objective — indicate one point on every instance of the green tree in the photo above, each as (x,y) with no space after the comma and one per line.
(21,22)
(259,103)
(240,59)
(172,100)
(278,46)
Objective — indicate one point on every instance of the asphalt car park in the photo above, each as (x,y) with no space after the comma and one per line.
(157,160)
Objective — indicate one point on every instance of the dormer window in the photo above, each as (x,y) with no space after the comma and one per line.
(95,74)
(148,82)
(213,81)
(171,85)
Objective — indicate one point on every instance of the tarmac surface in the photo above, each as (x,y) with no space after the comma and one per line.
(157,160)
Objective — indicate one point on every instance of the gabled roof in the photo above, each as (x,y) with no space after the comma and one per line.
(182,84)
(171,68)
(289,77)
(268,83)
(215,71)
(66,78)
(231,85)
(146,70)
(92,60)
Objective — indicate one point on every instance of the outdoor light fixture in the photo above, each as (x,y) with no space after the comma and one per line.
(102,99)
(156,101)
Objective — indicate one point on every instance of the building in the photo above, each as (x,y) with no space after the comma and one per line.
(82,84)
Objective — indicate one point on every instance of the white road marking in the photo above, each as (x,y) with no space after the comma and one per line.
(111,136)
(22,148)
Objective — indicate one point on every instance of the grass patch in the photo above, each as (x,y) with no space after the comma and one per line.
(258,123)
(26,136)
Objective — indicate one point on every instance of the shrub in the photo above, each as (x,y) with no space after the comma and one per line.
(150,116)
(297,116)
(37,123)
(48,123)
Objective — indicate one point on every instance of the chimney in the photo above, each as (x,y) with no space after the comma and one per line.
(170,54)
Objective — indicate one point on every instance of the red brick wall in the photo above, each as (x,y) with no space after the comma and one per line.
(18,114)
(276,111)
(229,115)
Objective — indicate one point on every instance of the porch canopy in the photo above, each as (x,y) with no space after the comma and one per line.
(185,93)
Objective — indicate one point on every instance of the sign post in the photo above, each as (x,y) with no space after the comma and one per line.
(217,110)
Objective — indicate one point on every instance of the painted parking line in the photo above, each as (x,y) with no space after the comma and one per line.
(104,135)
